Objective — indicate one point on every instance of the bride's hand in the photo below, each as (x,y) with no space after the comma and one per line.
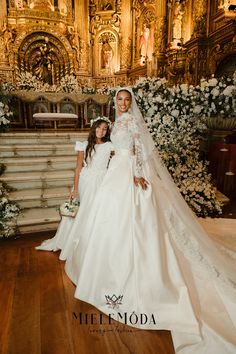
(140,181)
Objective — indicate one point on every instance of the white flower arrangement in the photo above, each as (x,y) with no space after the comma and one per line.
(106,119)
(217,97)
(173,116)
(27,81)
(8,210)
(8,87)
(69,83)
(5,115)
(8,213)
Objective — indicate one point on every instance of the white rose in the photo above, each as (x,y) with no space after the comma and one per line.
(213,82)
(215,92)
(228,90)
(175,113)
(197,109)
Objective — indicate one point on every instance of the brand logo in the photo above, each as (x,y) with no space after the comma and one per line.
(127,318)
(114,301)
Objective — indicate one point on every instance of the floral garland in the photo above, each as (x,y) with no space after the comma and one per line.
(103,118)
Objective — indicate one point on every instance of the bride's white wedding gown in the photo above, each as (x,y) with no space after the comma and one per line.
(90,180)
(142,246)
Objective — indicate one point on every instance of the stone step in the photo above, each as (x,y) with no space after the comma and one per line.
(30,180)
(36,150)
(22,138)
(40,165)
(47,163)
(40,198)
(38,219)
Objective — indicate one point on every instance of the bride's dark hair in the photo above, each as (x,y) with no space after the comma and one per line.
(92,137)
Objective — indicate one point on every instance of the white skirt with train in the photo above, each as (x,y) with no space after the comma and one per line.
(142,270)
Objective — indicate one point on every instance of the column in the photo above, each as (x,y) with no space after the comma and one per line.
(160,38)
(82,31)
(3,12)
(126,35)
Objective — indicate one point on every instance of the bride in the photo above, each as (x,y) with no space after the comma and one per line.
(143,259)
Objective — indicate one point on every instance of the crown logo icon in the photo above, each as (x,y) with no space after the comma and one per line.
(114,301)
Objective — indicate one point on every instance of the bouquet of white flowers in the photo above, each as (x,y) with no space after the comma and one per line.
(69,208)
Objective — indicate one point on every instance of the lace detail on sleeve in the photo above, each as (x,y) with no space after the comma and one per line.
(137,146)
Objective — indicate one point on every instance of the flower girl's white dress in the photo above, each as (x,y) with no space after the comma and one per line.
(138,259)
(90,179)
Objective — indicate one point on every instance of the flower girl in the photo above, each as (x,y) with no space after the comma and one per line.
(92,162)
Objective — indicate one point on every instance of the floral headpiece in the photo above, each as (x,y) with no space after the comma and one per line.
(105,119)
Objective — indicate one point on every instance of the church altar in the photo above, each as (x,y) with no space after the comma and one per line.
(26,104)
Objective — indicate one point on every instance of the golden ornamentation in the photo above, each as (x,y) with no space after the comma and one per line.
(125,53)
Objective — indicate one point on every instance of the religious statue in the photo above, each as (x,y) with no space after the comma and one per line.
(43,66)
(8,36)
(83,54)
(177,23)
(106,55)
(74,41)
(146,44)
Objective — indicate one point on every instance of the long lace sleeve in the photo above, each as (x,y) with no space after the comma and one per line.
(137,144)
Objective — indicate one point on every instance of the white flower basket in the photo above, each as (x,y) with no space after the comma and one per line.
(69,208)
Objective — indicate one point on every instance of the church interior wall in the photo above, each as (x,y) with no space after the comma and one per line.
(106,43)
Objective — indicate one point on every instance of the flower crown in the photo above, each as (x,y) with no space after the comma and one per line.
(105,119)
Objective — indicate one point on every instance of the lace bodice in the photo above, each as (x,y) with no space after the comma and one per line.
(100,157)
(125,135)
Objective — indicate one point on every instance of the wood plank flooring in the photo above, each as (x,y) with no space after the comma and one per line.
(39,314)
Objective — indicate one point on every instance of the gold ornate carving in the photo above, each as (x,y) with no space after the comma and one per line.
(220,52)
(45,56)
(95,24)
(45,5)
(98,23)
(160,37)
(92,8)
(125,52)
(199,16)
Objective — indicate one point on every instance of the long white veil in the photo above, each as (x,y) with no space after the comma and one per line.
(189,235)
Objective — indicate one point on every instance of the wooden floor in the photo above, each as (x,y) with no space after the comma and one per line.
(39,314)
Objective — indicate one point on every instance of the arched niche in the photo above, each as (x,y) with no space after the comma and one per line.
(106,53)
(145,35)
(227,66)
(45,56)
